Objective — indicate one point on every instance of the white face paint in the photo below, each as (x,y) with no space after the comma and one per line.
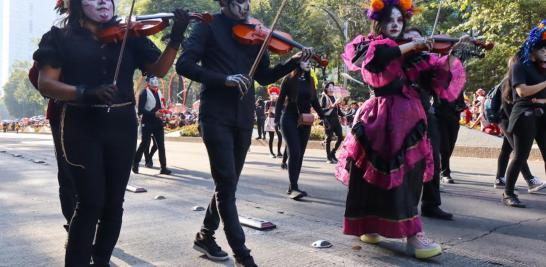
(394,26)
(305,65)
(539,57)
(239,9)
(100,11)
(154,83)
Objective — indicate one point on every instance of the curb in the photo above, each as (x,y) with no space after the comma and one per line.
(460,151)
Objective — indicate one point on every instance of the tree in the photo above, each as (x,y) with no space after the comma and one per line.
(20,97)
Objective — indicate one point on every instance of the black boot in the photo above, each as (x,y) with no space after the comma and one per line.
(206,244)
(435,212)
(247,261)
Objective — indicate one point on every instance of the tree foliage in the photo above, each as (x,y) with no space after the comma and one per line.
(20,97)
(320,24)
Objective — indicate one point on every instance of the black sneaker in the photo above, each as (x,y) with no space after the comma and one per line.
(273,156)
(296,194)
(512,201)
(535,185)
(149,164)
(436,212)
(500,183)
(207,245)
(245,262)
(165,171)
(334,158)
(135,168)
(284,166)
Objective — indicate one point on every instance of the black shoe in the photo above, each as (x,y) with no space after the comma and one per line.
(207,245)
(296,194)
(273,155)
(149,164)
(135,168)
(284,166)
(500,183)
(247,261)
(436,212)
(333,156)
(258,138)
(512,201)
(165,171)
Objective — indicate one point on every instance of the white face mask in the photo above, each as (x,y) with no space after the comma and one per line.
(154,83)
(393,29)
(539,57)
(305,66)
(239,9)
(100,11)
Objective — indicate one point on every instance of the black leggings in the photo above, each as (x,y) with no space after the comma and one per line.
(99,147)
(526,129)
(260,124)
(333,127)
(67,192)
(159,135)
(279,143)
(148,155)
(504,157)
(296,139)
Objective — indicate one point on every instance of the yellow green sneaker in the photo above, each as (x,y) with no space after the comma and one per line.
(422,247)
(370,238)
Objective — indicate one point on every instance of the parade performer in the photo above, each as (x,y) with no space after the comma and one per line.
(527,122)
(270,125)
(226,116)
(150,106)
(332,112)
(387,157)
(98,127)
(299,92)
(260,118)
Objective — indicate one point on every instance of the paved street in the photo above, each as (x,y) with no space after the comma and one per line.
(160,232)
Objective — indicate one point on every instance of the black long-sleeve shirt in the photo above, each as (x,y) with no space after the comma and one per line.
(302,104)
(222,55)
(148,116)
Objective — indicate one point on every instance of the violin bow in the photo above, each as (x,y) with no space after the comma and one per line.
(265,43)
(437,18)
(123,44)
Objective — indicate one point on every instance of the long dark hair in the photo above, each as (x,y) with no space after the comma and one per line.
(75,14)
(507,81)
(379,25)
(290,82)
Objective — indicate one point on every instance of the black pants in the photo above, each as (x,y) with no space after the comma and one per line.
(285,155)
(159,135)
(279,141)
(448,126)
(149,154)
(100,148)
(227,148)
(296,139)
(333,127)
(67,192)
(260,123)
(526,130)
(431,190)
(504,157)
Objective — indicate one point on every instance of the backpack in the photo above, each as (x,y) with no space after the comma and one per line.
(492,105)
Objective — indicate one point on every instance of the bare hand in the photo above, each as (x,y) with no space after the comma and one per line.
(422,43)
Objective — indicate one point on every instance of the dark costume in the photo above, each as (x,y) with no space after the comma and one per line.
(226,120)
(98,144)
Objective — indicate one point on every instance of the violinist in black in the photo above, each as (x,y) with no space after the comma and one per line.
(98,126)
(226,118)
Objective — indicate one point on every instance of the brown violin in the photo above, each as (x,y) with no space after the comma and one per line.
(145,25)
(281,43)
(442,44)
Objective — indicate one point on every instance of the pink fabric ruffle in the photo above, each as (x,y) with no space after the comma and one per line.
(392,71)
(445,88)
(383,227)
(350,52)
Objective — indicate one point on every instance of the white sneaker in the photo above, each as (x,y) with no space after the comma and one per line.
(535,185)
(422,247)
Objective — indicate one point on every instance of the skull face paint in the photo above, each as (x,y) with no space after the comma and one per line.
(240,9)
(100,11)
(395,23)
(305,65)
(154,83)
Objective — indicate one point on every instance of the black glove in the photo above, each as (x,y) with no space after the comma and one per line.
(240,81)
(102,94)
(181,21)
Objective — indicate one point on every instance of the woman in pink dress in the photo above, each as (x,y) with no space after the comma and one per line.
(387,156)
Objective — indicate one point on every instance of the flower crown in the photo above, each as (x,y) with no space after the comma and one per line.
(376,6)
(536,36)
(62,6)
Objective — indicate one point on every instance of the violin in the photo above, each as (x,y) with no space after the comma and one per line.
(254,33)
(144,26)
(442,44)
